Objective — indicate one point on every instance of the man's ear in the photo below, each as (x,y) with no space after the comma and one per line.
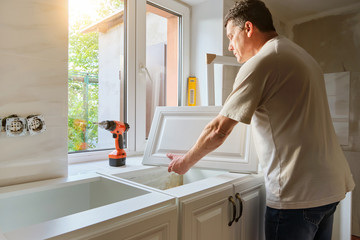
(249,28)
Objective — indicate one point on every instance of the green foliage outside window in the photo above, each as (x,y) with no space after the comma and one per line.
(82,113)
(83,85)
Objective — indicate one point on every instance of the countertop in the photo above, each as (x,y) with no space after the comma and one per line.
(132,163)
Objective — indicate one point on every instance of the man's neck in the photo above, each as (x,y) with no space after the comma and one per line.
(269,35)
(263,38)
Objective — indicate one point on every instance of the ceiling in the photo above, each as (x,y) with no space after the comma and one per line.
(291,10)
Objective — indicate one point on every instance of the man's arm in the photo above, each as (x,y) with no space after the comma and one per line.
(213,135)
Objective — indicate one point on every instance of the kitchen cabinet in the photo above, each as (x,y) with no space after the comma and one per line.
(206,216)
(210,202)
(230,212)
(251,193)
(160,224)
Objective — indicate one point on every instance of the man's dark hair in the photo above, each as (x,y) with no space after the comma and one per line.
(253,11)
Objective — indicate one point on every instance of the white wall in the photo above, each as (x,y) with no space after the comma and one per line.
(206,37)
(33,80)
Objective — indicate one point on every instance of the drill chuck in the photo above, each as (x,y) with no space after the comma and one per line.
(111,125)
(108,125)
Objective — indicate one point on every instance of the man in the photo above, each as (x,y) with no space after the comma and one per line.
(280,89)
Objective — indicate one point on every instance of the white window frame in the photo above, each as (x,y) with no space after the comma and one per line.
(140,62)
(136,76)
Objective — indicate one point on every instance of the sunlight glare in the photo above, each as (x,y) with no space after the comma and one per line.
(83,7)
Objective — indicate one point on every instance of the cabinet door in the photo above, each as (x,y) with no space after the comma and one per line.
(205,216)
(159,225)
(250,225)
(176,129)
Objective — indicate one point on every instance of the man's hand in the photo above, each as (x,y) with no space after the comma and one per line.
(177,164)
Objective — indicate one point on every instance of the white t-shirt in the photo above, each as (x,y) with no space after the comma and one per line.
(281,91)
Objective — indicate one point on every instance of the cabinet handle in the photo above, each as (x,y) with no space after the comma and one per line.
(237,195)
(231,199)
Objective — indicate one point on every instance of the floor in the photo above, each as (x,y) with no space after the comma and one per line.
(355,238)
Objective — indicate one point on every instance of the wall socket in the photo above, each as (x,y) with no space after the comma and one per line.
(15,126)
(36,124)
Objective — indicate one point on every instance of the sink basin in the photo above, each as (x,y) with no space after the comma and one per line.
(161,179)
(59,204)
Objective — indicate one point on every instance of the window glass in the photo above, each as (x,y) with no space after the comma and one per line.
(162,59)
(96,79)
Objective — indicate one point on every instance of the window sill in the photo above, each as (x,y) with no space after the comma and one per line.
(132,163)
(83,157)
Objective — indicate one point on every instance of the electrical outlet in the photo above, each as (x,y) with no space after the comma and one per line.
(36,124)
(15,126)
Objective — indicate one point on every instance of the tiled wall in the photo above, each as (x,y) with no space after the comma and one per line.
(33,80)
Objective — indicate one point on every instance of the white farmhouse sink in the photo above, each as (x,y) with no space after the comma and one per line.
(63,206)
(160,178)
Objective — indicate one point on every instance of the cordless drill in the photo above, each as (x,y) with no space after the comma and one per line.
(118,156)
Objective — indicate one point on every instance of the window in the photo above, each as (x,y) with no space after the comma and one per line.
(141,61)
(162,59)
(121,70)
(96,71)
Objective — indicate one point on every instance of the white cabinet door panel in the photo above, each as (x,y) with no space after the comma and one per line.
(160,224)
(250,220)
(251,192)
(176,129)
(206,217)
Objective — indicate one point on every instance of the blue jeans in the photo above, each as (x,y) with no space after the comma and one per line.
(300,224)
